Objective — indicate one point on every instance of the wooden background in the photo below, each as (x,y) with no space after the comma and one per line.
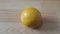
(10,11)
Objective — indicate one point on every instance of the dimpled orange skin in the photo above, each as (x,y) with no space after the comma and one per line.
(31,17)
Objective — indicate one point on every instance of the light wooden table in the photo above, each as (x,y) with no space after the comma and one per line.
(11,9)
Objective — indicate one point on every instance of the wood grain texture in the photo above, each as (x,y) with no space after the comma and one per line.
(10,11)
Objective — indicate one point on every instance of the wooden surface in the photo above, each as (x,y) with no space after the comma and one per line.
(11,9)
